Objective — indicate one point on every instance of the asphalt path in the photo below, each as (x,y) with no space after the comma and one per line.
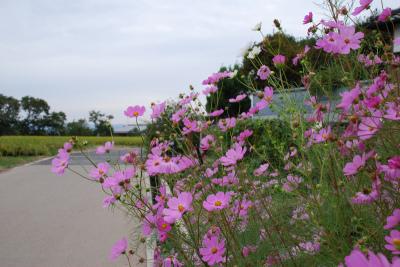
(50,221)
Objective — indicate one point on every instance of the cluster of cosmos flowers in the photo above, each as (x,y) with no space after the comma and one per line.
(209,194)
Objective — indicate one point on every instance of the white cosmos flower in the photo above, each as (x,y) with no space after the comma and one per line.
(254,52)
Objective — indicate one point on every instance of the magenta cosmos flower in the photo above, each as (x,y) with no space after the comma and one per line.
(353,167)
(279,60)
(99,172)
(349,97)
(264,72)
(177,206)
(157,109)
(218,201)
(261,170)
(119,248)
(308,18)
(226,124)
(135,111)
(364,4)
(233,155)
(213,250)
(106,148)
(216,113)
(393,220)
(396,41)
(350,39)
(206,142)
(238,98)
(368,127)
(60,162)
(386,13)
(358,259)
(393,242)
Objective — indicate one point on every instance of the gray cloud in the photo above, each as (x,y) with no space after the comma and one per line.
(107,54)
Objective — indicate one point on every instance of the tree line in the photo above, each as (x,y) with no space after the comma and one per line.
(32,116)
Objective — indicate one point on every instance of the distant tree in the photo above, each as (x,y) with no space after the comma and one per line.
(78,128)
(102,122)
(9,115)
(36,110)
(229,88)
(54,123)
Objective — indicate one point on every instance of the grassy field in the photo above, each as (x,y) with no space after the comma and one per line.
(28,146)
(7,162)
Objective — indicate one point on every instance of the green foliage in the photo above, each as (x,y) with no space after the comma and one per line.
(79,128)
(229,88)
(102,123)
(9,111)
(48,145)
(271,137)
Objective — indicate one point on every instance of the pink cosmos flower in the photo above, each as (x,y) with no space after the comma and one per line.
(106,148)
(349,97)
(358,259)
(392,111)
(261,170)
(226,124)
(392,170)
(368,127)
(396,41)
(177,206)
(190,126)
(386,13)
(99,172)
(187,99)
(210,90)
(216,113)
(279,60)
(264,72)
(206,142)
(393,220)
(292,183)
(323,135)
(68,147)
(353,167)
(364,4)
(233,155)
(268,94)
(350,39)
(172,261)
(216,77)
(246,250)
(129,157)
(177,116)
(108,201)
(157,109)
(135,111)
(238,98)
(119,248)
(393,241)
(308,18)
(367,196)
(218,201)
(300,56)
(244,135)
(60,162)
(241,207)
(213,250)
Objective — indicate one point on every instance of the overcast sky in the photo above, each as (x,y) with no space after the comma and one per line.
(80,55)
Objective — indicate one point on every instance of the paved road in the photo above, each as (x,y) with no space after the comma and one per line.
(50,221)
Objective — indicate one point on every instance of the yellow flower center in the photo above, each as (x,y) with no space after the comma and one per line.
(214,250)
(218,203)
(396,243)
(181,208)
(164,225)
(135,113)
